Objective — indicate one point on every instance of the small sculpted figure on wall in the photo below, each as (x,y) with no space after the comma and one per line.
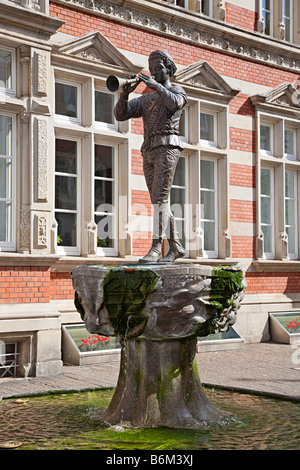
(160,111)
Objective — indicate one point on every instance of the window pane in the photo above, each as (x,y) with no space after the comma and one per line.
(266,181)
(179,177)
(268,242)
(182,123)
(290,212)
(207,174)
(292,243)
(103,196)
(5,221)
(5,178)
(289,184)
(205,7)
(66,156)
(67,228)
(289,140)
(66,100)
(266,213)
(105,231)
(104,107)
(207,127)
(265,138)
(5,69)
(266,4)
(207,205)
(65,192)
(209,236)
(104,161)
(6,135)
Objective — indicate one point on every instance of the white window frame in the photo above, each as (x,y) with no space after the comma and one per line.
(185,216)
(11,245)
(271,151)
(270,11)
(212,253)
(71,250)
(68,119)
(210,143)
(269,255)
(288,18)
(295,199)
(99,125)
(10,91)
(186,4)
(111,251)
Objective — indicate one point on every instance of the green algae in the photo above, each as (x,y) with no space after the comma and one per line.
(70,422)
(124,295)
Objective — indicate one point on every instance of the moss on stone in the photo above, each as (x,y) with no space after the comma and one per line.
(125,293)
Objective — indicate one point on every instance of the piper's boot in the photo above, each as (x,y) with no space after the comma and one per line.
(153,256)
(176,251)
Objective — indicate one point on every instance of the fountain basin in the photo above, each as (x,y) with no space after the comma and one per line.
(158,312)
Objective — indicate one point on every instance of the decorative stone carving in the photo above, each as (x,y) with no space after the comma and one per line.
(158,313)
(41,73)
(42,231)
(42,159)
(24,228)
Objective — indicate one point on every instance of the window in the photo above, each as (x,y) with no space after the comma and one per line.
(267,210)
(208,201)
(290,143)
(67,101)
(266,139)
(207,7)
(105,193)
(7,183)
(104,108)
(184,124)
(208,132)
(67,187)
(179,200)
(291,212)
(287,17)
(6,69)
(267,13)
(182,3)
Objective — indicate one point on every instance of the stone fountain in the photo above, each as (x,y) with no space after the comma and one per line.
(158,311)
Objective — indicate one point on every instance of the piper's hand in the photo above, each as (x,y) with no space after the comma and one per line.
(149,81)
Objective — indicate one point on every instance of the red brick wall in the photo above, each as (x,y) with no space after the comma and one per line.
(241,104)
(242,211)
(61,286)
(24,284)
(242,175)
(243,247)
(141,243)
(79,23)
(141,203)
(241,139)
(136,162)
(268,283)
(241,17)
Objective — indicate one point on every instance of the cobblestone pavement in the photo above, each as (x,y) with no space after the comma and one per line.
(268,368)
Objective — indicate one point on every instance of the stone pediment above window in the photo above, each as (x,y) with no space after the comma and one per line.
(95,48)
(202,77)
(284,96)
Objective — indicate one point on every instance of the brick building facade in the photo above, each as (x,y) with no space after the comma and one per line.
(72,188)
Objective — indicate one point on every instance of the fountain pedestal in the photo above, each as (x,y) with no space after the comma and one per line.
(158,312)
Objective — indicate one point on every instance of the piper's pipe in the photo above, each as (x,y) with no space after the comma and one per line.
(113,82)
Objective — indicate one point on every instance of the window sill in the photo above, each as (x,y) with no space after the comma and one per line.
(59,263)
(276,266)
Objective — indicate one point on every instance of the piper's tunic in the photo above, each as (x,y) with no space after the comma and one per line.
(161,111)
